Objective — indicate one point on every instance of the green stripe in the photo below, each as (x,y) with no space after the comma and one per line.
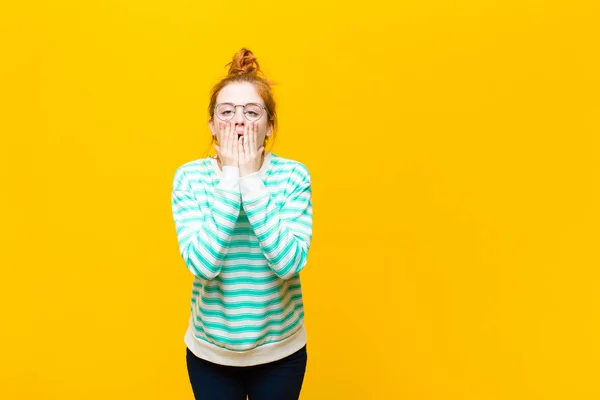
(245,256)
(252,244)
(250,304)
(247,279)
(227,202)
(244,329)
(240,317)
(231,217)
(249,268)
(202,260)
(248,292)
(209,249)
(247,341)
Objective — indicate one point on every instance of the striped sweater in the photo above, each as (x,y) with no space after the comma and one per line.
(245,240)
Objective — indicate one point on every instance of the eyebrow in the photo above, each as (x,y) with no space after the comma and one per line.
(229,101)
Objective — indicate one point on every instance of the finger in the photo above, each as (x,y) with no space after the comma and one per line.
(254,134)
(240,147)
(231,134)
(235,152)
(246,137)
(234,140)
(249,139)
(240,150)
(245,140)
(224,136)
(232,137)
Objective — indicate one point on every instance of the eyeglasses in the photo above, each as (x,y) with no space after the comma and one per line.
(252,111)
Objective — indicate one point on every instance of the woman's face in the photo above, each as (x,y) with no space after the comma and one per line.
(241,93)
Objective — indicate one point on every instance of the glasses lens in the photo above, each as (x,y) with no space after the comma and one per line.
(225,111)
(253,111)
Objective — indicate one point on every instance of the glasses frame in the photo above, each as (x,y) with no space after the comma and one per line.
(235,106)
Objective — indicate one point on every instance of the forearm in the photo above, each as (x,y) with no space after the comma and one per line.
(204,237)
(284,242)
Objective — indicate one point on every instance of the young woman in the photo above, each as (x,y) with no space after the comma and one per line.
(244,224)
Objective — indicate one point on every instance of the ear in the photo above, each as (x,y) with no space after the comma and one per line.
(269,130)
(211,127)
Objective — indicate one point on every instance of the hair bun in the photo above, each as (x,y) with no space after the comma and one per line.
(243,63)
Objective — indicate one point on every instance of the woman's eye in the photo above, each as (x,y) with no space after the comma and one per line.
(252,113)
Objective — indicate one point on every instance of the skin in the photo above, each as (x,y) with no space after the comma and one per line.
(247,152)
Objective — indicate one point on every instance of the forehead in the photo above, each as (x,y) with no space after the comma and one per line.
(239,93)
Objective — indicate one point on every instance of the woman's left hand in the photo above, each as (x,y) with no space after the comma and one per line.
(249,157)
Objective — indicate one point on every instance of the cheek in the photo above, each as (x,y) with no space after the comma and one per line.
(262,128)
(216,130)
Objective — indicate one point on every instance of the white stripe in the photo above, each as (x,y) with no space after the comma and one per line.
(245,262)
(245,335)
(245,298)
(225,273)
(253,322)
(249,310)
(248,286)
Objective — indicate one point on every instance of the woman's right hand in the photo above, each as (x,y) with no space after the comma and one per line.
(228,151)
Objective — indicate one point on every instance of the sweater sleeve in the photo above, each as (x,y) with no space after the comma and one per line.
(203,233)
(283,231)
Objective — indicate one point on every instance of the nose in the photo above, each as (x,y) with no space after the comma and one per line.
(238,117)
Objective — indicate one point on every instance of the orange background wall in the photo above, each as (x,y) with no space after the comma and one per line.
(454,150)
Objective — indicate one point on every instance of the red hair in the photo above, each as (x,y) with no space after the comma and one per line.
(244,68)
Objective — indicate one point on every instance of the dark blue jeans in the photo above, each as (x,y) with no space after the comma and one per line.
(277,380)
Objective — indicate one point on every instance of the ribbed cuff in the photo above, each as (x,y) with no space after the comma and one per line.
(252,187)
(229,178)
